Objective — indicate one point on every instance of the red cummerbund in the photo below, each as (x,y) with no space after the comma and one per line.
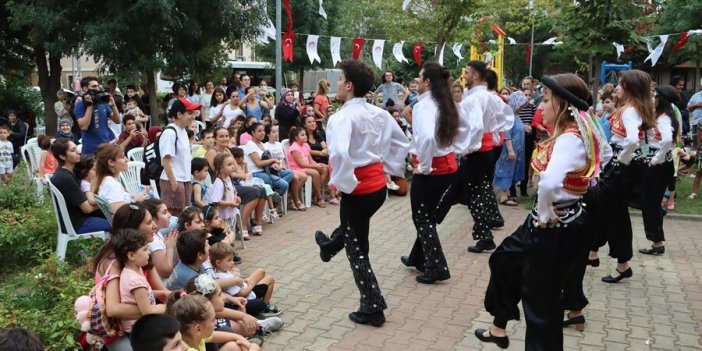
(371,178)
(440,165)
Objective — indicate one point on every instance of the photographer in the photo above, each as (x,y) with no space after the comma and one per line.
(92,113)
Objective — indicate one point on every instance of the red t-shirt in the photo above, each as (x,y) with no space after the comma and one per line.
(539,121)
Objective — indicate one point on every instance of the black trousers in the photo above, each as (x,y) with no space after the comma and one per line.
(426,252)
(533,265)
(355,212)
(654,181)
(615,186)
(472,188)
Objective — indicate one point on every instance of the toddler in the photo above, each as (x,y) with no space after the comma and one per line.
(6,152)
(47,163)
(85,170)
(238,154)
(199,170)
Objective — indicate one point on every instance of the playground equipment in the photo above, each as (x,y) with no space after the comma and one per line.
(612,67)
(494,60)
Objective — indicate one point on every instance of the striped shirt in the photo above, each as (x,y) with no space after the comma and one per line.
(527,114)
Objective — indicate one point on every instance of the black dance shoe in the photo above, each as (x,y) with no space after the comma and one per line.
(406,261)
(578,322)
(430,280)
(482,245)
(626,274)
(375,319)
(322,240)
(653,250)
(497,224)
(594,263)
(501,341)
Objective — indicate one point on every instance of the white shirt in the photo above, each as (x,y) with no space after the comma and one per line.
(569,154)
(229,114)
(180,156)
(424,145)
(213,111)
(234,289)
(665,127)
(250,148)
(360,134)
(276,150)
(487,110)
(205,100)
(632,121)
(113,191)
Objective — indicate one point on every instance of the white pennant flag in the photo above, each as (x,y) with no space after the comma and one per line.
(658,51)
(441,54)
(511,41)
(335,45)
(405,3)
(552,41)
(648,45)
(312,41)
(619,48)
(397,52)
(321,10)
(378,46)
(267,32)
(457,51)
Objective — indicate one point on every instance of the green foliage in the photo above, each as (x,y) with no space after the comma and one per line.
(41,299)
(18,95)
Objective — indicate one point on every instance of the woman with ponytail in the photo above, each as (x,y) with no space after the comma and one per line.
(437,125)
(533,263)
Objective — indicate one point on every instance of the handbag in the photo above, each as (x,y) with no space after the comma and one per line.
(266,155)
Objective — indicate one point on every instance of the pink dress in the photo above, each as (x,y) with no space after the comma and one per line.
(304,151)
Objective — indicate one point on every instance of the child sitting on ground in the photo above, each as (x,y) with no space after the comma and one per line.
(47,163)
(217,228)
(257,288)
(238,154)
(156,332)
(132,253)
(199,170)
(193,249)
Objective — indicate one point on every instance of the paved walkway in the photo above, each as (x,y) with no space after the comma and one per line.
(660,308)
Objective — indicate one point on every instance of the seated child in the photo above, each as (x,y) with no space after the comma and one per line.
(207,142)
(193,249)
(156,332)
(47,163)
(199,170)
(85,171)
(162,247)
(257,288)
(132,253)
(217,228)
(238,154)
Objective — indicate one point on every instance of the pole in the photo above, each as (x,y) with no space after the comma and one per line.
(278,49)
(531,54)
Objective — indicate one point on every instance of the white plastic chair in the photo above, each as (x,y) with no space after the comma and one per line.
(154,189)
(306,189)
(63,221)
(40,130)
(32,141)
(31,153)
(200,126)
(131,178)
(136,154)
(26,132)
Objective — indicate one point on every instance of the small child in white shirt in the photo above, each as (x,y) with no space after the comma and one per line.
(85,171)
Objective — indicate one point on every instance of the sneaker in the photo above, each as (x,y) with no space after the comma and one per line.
(271,311)
(269,325)
(392,186)
(237,259)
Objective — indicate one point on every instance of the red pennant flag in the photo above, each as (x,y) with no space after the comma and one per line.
(417,52)
(288,11)
(357,47)
(288,39)
(528,54)
(683,40)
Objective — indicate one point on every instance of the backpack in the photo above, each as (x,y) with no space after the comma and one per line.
(152,157)
(100,324)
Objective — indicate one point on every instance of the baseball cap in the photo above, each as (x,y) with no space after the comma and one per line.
(182,105)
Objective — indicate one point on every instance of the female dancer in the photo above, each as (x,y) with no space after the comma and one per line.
(534,262)
(365,143)
(437,126)
(658,166)
(623,171)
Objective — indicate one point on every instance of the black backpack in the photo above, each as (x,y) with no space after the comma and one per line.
(152,157)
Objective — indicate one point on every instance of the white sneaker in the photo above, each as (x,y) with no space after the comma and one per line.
(270,324)
(393,186)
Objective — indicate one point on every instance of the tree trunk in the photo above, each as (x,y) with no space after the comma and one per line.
(49,72)
(153,95)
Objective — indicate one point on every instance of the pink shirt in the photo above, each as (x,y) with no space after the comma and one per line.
(304,151)
(245,138)
(128,281)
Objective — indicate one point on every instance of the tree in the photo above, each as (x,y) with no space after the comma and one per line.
(51,33)
(185,38)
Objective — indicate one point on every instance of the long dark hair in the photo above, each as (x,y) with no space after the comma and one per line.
(213,100)
(637,93)
(667,96)
(447,126)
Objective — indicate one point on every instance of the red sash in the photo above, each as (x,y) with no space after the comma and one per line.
(371,178)
(488,143)
(440,165)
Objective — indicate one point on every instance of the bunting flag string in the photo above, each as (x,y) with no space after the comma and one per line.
(397,52)
(321,10)
(441,54)
(335,46)
(312,41)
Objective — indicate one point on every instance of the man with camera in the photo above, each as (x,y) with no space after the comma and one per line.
(92,113)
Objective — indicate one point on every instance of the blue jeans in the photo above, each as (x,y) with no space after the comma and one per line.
(279,183)
(94,224)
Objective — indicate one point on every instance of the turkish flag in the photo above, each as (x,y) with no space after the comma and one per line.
(417,53)
(288,39)
(683,40)
(357,47)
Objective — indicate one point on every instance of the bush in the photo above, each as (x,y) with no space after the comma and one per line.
(42,300)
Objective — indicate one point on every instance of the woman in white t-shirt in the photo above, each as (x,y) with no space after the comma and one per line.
(205,100)
(109,162)
(217,104)
(276,176)
(278,153)
(231,110)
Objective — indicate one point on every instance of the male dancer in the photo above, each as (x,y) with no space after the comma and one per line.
(471,186)
(365,142)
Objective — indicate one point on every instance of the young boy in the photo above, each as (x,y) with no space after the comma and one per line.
(413,94)
(608,107)
(157,332)
(207,141)
(199,170)
(193,250)
(257,288)
(131,137)
(6,151)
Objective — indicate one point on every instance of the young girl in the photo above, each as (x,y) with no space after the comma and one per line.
(278,153)
(223,193)
(110,161)
(85,170)
(47,163)
(217,104)
(163,248)
(132,253)
(300,158)
(214,225)
(238,154)
(197,323)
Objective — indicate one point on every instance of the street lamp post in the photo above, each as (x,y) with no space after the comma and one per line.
(531,46)
(278,48)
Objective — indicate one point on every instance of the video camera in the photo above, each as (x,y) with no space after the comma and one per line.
(99,96)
